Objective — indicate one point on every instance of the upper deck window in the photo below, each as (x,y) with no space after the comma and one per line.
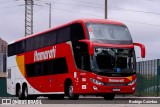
(63,35)
(77,32)
(107,33)
(73,32)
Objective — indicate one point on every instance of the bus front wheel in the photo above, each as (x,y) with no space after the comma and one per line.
(71,95)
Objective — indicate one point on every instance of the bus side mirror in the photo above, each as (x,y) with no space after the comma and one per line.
(90,46)
(143,51)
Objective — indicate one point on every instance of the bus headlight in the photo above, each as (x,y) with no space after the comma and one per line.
(132,82)
(96,81)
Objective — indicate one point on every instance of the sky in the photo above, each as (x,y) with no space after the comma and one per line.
(142,18)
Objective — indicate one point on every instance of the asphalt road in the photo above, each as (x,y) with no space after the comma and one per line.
(94,101)
(84,105)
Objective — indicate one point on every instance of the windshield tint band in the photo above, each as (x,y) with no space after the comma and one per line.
(107,33)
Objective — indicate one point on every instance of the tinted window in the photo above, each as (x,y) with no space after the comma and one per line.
(77,32)
(30,44)
(63,34)
(50,38)
(74,32)
(16,48)
(56,66)
(30,70)
(10,50)
(49,67)
(36,44)
(20,47)
(41,41)
(60,66)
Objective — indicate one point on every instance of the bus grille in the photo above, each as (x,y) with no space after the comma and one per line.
(109,84)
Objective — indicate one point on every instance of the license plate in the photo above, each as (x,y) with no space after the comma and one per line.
(116,89)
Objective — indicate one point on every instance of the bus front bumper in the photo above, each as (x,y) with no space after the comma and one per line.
(100,89)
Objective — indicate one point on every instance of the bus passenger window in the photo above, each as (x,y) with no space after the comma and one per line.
(85,62)
(63,35)
(77,32)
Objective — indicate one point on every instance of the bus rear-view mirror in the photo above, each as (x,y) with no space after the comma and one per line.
(142,47)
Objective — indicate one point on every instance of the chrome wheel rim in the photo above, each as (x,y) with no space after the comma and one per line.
(70,90)
(19,93)
(25,93)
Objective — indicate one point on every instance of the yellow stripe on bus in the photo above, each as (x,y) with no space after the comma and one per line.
(130,78)
(20,63)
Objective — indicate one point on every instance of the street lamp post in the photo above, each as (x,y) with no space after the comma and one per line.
(50,21)
(105,4)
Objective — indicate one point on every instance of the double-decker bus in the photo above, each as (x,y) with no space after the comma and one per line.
(83,57)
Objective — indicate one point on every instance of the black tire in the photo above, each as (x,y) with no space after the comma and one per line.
(109,96)
(70,93)
(19,93)
(25,93)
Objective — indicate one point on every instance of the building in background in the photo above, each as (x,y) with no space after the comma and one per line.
(3,54)
(1,62)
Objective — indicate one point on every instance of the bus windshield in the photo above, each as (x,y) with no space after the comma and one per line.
(107,33)
(113,60)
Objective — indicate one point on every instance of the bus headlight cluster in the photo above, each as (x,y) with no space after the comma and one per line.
(96,81)
(132,82)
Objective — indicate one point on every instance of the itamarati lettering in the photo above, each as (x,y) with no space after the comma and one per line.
(48,54)
(116,80)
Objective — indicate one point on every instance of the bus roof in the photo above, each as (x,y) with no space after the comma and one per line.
(84,20)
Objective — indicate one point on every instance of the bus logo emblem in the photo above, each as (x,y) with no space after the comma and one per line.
(48,54)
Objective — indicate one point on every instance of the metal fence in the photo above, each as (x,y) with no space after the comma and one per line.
(148,78)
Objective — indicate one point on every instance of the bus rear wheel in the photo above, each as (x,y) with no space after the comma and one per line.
(71,95)
(19,93)
(25,92)
(109,96)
